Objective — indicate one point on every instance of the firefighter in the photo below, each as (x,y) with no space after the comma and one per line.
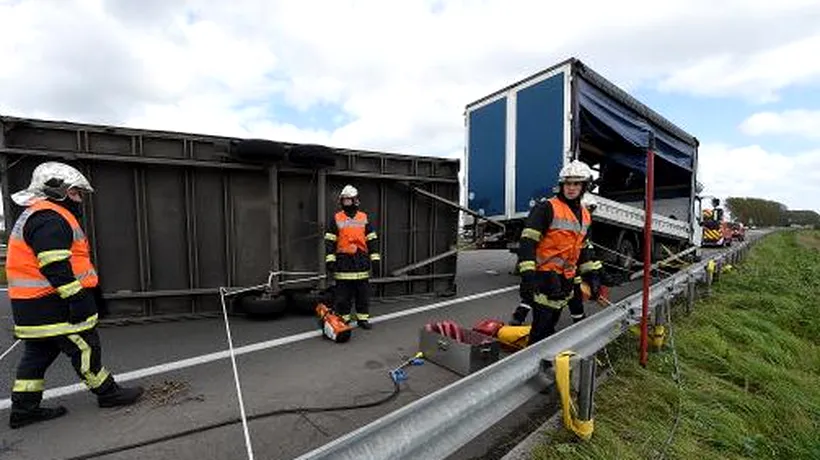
(554,235)
(589,271)
(51,280)
(352,252)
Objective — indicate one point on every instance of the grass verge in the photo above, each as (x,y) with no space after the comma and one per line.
(749,359)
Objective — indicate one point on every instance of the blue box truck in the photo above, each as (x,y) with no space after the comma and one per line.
(519,137)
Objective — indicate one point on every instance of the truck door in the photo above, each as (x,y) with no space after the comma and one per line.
(697,228)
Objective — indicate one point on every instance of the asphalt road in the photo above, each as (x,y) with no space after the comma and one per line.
(306,372)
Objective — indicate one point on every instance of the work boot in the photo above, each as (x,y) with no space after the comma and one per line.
(578,319)
(520,315)
(364,324)
(20,418)
(119,396)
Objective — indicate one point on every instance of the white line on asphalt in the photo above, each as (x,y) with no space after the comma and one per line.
(9,350)
(211,357)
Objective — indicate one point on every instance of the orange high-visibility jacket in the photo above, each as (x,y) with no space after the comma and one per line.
(352,235)
(559,247)
(25,281)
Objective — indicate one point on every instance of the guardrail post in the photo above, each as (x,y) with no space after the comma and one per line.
(691,292)
(586,388)
(662,313)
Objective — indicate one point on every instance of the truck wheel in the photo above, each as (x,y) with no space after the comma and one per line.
(627,253)
(304,303)
(259,150)
(312,155)
(255,306)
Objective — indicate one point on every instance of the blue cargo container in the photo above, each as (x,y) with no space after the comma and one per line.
(519,138)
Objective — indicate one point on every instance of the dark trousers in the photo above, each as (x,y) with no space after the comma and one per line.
(554,292)
(348,291)
(85,353)
(576,304)
(576,307)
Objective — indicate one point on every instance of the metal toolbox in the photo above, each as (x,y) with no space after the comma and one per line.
(475,351)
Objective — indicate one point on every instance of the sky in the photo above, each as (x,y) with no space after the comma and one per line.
(741,76)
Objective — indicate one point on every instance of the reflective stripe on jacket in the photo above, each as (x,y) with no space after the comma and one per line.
(560,247)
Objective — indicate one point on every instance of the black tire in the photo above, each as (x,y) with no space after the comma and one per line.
(255,306)
(304,302)
(627,252)
(259,150)
(451,291)
(312,155)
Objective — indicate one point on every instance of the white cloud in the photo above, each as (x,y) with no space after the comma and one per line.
(757,77)
(751,171)
(804,123)
(401,72)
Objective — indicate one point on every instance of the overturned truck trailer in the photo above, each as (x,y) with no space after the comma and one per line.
(176,216)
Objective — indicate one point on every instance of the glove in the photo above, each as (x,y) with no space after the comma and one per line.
(376,269)
(330,266)
(527,287)
(102,305)
(81,306)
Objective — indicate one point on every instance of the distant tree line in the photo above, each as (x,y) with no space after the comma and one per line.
(768,213)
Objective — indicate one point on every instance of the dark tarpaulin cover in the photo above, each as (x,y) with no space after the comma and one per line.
(606,116)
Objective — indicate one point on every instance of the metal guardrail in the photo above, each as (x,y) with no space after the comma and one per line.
(438,424)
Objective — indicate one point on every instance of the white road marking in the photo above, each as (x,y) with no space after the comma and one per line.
(211,357)
(16,342)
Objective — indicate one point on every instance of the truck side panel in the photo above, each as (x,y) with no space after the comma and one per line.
(486,153)
(176,216)
(539,140)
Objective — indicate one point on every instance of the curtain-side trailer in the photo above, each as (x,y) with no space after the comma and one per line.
(518,139)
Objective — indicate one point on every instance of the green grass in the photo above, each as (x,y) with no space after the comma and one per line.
(750,371)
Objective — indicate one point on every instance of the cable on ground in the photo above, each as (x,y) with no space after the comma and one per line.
(396,375)
(192,431)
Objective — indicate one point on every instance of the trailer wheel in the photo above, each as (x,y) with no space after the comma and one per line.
(260,150)
(312,155)
(260,307)
(626,252)
(304,302)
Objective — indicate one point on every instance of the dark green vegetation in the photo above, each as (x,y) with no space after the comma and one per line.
(756,211)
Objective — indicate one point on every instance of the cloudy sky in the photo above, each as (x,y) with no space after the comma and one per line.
(742,76)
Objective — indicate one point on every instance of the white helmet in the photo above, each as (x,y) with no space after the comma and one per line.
(349,192)
(575,171)
(51,180)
